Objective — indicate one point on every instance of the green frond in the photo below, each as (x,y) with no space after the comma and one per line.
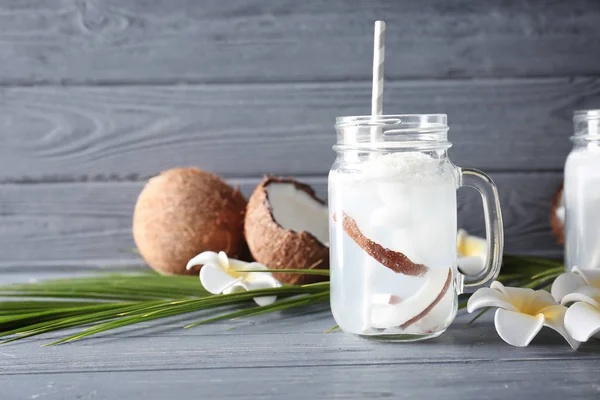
(110,300)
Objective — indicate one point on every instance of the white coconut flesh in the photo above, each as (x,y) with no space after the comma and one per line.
(294,209)
(437,318)
(394,315)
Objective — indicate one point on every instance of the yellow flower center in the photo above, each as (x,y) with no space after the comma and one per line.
(234,273)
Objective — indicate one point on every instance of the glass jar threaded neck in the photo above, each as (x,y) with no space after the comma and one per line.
(392,132)
(586,126)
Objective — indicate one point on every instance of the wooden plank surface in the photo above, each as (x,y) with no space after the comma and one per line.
(275,356)
(89,224)
(61,41)
(97,96)
(116,133)
(551,380)
(278,341)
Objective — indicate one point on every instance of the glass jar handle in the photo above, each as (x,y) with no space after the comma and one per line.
(494,230)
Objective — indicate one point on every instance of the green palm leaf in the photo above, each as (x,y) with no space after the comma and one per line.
(108,301)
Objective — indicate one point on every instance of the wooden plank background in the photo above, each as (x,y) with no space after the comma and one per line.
(82,133)
(125,41)
(85,224)
(97,96)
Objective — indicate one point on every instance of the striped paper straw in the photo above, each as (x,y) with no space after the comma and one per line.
(378,59)
(376,133)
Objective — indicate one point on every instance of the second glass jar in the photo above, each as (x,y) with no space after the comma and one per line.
(582,193)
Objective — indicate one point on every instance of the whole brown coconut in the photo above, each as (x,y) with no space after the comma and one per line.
(286,228)
(183,212)
(557,216)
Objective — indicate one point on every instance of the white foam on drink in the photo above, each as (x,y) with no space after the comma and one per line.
(405,167)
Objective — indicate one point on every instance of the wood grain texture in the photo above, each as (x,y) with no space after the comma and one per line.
(282,341)
(90,41)
(551,380)
(83,133)
(275,356)
(96,96)
(76,225)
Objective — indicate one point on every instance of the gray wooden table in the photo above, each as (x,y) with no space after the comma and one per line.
(97,96)
(287,355)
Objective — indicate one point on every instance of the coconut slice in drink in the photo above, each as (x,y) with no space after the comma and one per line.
(406,312)
(438,317)
(394,260)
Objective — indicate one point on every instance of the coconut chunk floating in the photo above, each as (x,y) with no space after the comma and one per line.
(183,212)
(394,260)
(286,227)
(397,312)
(404,313)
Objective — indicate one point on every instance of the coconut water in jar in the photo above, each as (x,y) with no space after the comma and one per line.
(582,193)
(393,229)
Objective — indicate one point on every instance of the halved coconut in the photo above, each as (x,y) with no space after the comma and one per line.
(557,216)
(286,227)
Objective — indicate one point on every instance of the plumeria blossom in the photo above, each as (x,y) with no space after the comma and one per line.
(221,274)
(581,288)
(472,252)
(521,313)
(572,282)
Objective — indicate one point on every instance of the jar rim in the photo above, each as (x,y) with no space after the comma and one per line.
(430,121)
(392,147)
(586,115)
(392,132)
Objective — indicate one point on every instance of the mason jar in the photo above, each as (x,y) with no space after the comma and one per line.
(393,227)
(582,193)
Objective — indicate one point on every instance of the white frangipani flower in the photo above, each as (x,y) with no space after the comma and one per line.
(571,282)
(521,313)
(221,274)
(580,287)
(472,252)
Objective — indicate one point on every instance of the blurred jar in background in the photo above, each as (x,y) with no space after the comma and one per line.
(582,193)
